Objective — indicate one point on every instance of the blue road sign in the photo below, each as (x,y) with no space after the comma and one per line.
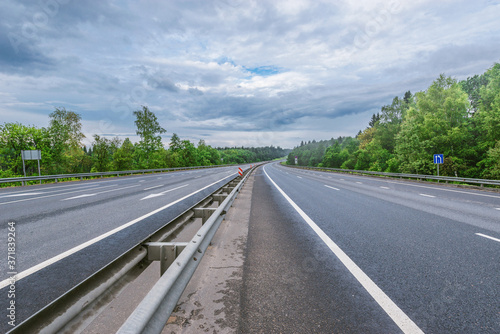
(438,158)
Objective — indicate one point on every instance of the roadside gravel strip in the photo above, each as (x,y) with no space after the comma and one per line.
(211,301)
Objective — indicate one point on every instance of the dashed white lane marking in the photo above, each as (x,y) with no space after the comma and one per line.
(425,195)
(331,187)
(439,188)
(163,192)
(59,194)
(161,185)
(25,194)
(101,192)
(397,315)
(359,182)
(299,177)
(487,236)
(497,209)
(385,187)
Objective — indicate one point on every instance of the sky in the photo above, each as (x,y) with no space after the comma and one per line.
(234,72)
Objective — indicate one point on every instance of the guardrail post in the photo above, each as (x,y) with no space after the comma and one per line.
(219,197)
(227,189)
(165,252)
(203,213)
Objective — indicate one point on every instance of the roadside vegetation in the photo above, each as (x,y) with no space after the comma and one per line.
(460,119)
(63,152)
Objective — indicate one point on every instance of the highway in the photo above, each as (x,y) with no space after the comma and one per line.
(64,232)
(339,253)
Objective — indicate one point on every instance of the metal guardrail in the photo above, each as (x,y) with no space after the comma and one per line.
(23,179)
(447,179)
(153,312)
(65,313)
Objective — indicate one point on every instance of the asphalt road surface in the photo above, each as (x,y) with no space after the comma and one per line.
(334,253)
(65,232)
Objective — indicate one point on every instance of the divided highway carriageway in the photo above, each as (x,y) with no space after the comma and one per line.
(326,252)
(65,232)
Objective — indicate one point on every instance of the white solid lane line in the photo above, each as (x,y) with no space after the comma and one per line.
(487,236)
(397,315)
(425,195)
(331,187)
(73,250)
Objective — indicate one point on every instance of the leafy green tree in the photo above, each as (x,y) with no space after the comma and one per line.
(472,86)
(436,124)
(101,154)
(207,155)
(492,163)
(489,107)
(15,137)
(123,158)
(175,143)
(149,130)
(65,129)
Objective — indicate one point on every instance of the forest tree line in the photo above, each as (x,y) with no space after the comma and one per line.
(460,119)
(64,153)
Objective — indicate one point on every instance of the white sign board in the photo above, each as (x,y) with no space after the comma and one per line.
(31,155)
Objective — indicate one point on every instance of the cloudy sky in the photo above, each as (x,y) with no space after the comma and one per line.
(234,72)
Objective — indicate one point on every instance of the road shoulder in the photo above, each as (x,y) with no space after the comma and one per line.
(211,301)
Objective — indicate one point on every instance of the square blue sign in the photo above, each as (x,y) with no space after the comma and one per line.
(438,158)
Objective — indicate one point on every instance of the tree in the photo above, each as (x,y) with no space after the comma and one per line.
(65,129)
(123,158)
(15,137)
(175,143)
(207,155)
(149,130)
(436,124)
(489,107)
(101,153)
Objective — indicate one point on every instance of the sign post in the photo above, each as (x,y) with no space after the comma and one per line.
(296,160)
(438,159)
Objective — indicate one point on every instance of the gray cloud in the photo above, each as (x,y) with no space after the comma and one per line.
(269,71)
